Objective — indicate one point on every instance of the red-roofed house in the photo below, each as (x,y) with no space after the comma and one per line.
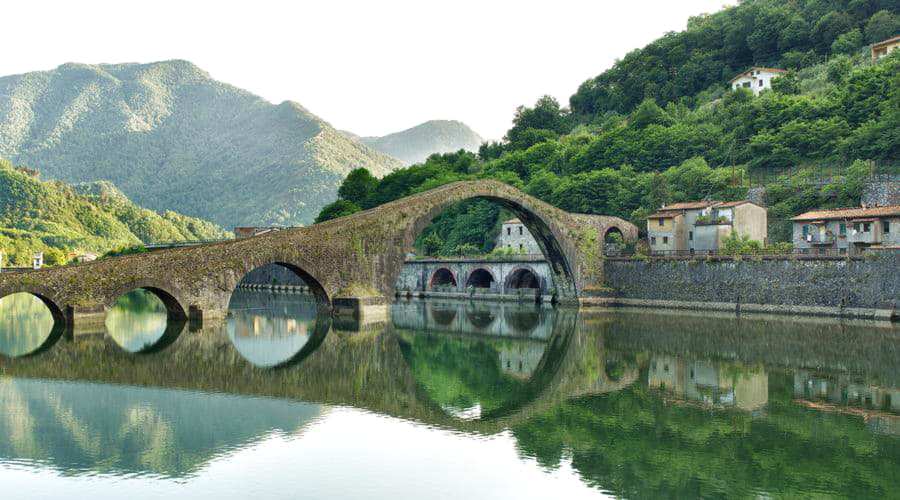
(849,230)
(700,226)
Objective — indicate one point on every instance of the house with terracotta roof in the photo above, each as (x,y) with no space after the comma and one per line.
(756,79)
(849,230)
(882,49)
(701,226)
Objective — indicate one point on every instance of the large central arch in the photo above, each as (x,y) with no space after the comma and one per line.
(534,214)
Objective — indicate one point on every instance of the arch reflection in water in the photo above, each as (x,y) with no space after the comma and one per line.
(26,325)
(472,371)
(140,322)
(270,329)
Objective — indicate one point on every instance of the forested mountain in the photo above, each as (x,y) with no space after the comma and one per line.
(171,137)
(418,143)
(662,125)
(54,217)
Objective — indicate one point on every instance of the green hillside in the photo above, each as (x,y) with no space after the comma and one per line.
(53,217)
(172,138)
(418,143)
(630,144)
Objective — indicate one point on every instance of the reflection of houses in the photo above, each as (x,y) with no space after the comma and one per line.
(879,406)
(252,325)
(849,230)
(703,225)
(525,277)
(708,383)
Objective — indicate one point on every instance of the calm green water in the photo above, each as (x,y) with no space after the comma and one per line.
(447,400)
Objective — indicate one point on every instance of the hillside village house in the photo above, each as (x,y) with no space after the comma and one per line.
(756,79)
(848,230)
(702,226)
(882,49)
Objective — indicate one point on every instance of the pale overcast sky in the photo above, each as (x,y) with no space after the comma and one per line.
(370,67)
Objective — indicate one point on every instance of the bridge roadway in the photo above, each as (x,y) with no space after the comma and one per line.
(351,264)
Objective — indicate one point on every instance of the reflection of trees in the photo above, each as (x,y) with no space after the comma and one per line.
(25,323)
(94,428)
(137,320)
(634,444)
(463,373)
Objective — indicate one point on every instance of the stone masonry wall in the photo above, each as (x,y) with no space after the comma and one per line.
(882,193)
(831,282)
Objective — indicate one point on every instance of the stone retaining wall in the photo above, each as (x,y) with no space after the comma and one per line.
(819,286)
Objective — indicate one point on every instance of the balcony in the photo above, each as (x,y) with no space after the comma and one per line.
(867,237)
(820,239)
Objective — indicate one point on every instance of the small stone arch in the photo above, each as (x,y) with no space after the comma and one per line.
(523,276)
(45,294)
(170,295)
(442,276)
(315,287)
(480,278)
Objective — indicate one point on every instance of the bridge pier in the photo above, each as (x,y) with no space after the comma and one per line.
(365,310)
(86,320)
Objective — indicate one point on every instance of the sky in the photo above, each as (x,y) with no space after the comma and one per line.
(369,67)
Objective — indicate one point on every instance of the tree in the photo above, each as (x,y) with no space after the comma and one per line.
(530,125)
(648,113)
(358,186)
(339,208)
(431,244)
(882,25)
(829,27)
(848,44)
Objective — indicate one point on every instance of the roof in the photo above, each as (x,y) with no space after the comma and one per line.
(889,41)
(761,68)
(689,205)
(665,214)
(849,213)
(729,204)
(512,221)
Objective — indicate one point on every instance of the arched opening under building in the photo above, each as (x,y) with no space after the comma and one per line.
(523,278)
(145,319)
(480,278)
(29,324)
(443,280)
(277,315)
(613,241)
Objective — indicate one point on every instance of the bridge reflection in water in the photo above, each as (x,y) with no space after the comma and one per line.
(603,393)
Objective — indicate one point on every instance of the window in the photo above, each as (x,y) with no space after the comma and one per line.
(842,251)
(653,240)
(867,227)
(805,231)
(665,240)
(508,231)
(761,82)
(662,222)
(520,230)
(747,85)
(691,235)
(842,229)
(520,246)
(886,226)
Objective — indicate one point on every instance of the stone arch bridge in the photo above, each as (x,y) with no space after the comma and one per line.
(350,263)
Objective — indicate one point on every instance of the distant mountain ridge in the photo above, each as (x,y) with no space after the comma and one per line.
(171,137)
(415,144)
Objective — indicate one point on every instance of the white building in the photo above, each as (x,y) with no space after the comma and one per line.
(756,79)
(515,236)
